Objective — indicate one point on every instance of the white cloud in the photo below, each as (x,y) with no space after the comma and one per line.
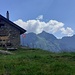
(38,26)
(68,31)
(54,26)
(40,17)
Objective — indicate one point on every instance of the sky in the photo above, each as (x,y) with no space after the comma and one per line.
(53,16)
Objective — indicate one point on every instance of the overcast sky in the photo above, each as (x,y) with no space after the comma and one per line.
(53,16)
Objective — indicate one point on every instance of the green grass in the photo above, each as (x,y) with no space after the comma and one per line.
(37,62)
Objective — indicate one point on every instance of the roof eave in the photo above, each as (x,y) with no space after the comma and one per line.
(15,25)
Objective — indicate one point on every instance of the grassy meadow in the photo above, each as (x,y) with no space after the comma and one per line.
(37,62)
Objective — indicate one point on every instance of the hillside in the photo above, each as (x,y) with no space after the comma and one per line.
(47,41)
(43,41)
(37,62)
(68,43)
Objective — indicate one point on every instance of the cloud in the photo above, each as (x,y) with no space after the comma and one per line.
(38,26)
(67,31)
(53,26)
(40,17)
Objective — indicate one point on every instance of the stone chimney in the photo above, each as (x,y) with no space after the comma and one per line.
(7,15)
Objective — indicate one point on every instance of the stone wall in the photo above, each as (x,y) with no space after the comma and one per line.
(12,33)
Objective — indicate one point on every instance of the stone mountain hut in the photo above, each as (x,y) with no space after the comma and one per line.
(9,32)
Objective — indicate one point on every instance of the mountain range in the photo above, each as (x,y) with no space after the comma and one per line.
(48,42)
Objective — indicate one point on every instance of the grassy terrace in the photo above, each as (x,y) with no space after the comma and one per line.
(37,62)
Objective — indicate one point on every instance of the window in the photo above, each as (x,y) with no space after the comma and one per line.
(0,19)
(1,25)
